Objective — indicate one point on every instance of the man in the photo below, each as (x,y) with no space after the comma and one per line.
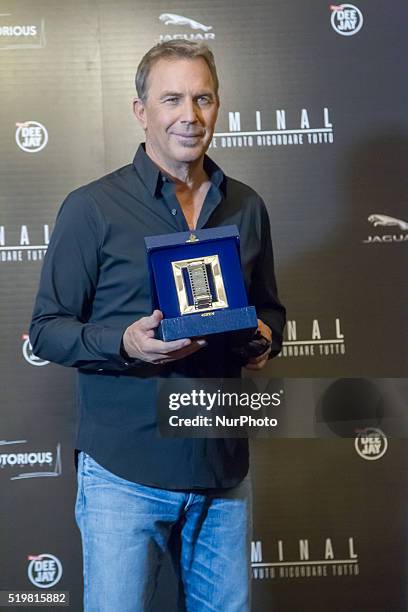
(140,495)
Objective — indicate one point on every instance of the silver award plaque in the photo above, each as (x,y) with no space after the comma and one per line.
(199,284)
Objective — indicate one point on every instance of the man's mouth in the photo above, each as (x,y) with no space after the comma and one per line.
(188,135)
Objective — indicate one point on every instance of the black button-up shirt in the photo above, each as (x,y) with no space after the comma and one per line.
(95,283)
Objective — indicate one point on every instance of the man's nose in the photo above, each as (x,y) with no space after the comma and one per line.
(189,111)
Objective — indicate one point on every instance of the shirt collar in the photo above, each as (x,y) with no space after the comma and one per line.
(152,176)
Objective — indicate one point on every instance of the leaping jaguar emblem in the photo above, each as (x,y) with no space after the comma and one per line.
(173,19)
(387,221)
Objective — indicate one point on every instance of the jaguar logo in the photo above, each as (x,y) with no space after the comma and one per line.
(387,221)
(173,19)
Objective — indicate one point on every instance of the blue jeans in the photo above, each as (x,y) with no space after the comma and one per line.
(127,527)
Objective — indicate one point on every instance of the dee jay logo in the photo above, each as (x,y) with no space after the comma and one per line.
(346,19)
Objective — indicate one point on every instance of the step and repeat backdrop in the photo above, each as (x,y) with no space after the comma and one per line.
(313,115)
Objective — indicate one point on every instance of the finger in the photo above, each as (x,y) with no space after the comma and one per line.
(151,345)
(257,363)
(189,350)
(265,330)
(260,357)
(160,360)
(255,366)
(149,333)
(195,346)
(151,322)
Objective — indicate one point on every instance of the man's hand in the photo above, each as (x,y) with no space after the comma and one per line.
(257,363)
(139,342)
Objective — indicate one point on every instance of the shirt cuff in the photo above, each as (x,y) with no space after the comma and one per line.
(112,345)
(128,360)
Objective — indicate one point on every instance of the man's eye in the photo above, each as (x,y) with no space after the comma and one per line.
(204,100)
(171,100)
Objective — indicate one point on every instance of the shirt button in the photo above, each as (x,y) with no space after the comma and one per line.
(174,211)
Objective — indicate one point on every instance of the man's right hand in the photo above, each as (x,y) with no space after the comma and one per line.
(139,342)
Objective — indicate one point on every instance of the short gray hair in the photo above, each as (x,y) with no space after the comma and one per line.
(173,49)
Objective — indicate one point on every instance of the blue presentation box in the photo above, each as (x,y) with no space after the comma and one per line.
(197,283)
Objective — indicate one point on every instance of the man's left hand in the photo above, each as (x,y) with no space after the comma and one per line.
(257,363)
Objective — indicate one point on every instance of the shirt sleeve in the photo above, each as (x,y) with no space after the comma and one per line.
(263,291)
(60,331)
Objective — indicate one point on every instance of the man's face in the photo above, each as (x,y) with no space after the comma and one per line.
(180,112)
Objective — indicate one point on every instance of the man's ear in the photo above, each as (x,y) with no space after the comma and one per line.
(139,112)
